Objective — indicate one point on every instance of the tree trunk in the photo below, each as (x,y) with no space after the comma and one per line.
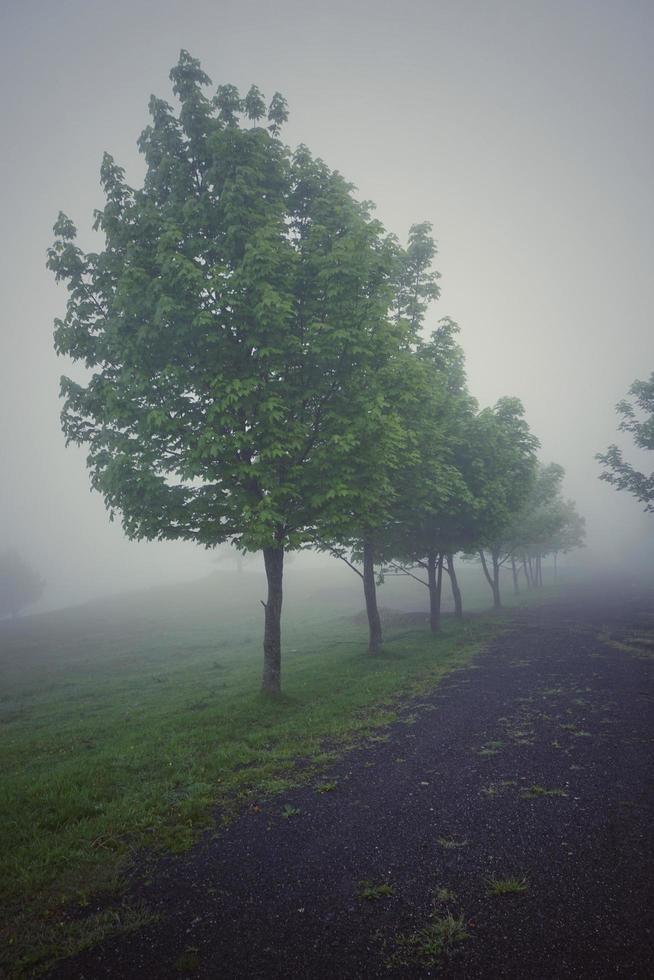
(516,587)
(556,555)
(370,592)
(539,567)
(497,600)
(435,580)
(532,574)
(271,682)
(494,580)
(456,591)
(524,565)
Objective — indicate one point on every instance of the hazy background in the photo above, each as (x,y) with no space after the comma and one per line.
(522,130)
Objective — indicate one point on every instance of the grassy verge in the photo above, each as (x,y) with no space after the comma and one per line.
(124,735)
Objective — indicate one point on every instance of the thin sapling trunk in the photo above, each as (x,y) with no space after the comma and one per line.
(494,580)
(435,584)
(271,682)
(456,591)
(514,570)
(370,592)
(497,599)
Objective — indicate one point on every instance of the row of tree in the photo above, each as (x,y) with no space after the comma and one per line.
(257,371)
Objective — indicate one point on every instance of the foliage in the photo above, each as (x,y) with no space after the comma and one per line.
(391,443)
(228,356)
(415,282)
(20,585)
(546,522)
(502,468)
(433,499)
(637,414)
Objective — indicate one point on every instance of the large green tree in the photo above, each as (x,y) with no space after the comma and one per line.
(637,418)
(234,325)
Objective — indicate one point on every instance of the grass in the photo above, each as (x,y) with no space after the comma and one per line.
(536,792)
(495,789)
(428,945)
(490,748)
(63,935)
(574,730)
(189,961)
(639,643)
(371,892)
(507,886)
(451,843)
(126,724)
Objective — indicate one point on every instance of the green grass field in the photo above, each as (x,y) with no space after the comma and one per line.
(137,722)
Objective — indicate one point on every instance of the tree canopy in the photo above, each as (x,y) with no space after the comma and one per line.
(637,418)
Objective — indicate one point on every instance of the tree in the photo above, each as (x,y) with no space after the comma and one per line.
(619,473)
(570,533)
(226,100)
(20,585)
(277,113)
(234,324)
(254,104)
(502,472)
(416,283)
(545,524)
(433,500)
(391,442)
(382,447)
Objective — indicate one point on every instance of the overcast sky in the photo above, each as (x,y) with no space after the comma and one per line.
(522,130)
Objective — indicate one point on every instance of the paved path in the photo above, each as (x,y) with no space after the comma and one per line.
(562,703)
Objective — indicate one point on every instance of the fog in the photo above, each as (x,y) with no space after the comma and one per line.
(521,131)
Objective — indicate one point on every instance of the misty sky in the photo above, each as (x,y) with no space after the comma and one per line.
(521,130)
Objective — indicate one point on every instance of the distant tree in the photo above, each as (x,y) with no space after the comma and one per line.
(382,447)
(226,100)
(504,468)
(433,500)
(570,534)
(545,524)
(637,415)
(20,585)
(254,104)
(416,282)
(277,113)
(391,440)
(234,324)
